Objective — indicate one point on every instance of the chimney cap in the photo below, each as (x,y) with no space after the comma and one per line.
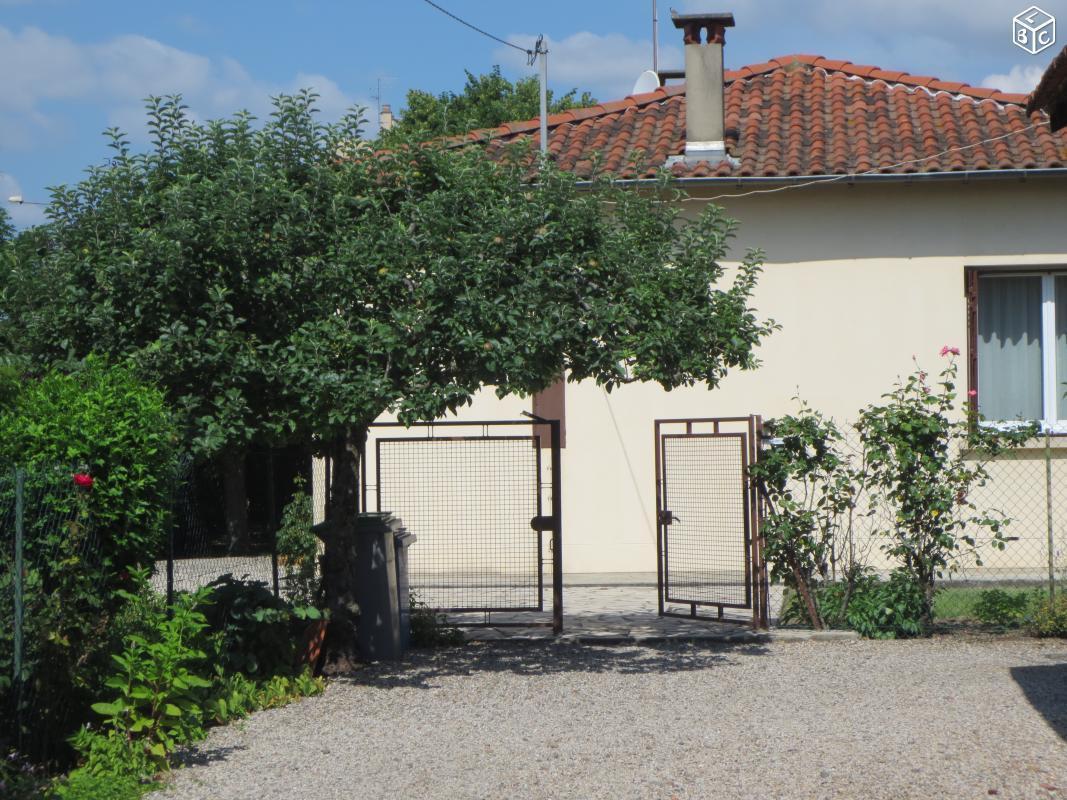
(726,19)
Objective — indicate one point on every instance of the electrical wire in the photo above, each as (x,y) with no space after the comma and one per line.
(873,171)
(530,53)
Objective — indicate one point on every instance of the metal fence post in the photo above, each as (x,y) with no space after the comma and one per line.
(170,550)
(557,529)
(272,511)
(1048,518)
(20,485)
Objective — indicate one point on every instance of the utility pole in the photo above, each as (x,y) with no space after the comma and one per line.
(540,51)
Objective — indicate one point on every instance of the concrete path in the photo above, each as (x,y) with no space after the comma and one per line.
(620,608)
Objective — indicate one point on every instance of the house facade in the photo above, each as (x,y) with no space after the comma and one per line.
(897,213)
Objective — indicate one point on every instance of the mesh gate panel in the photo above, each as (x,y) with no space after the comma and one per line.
(706,553)
(470,502)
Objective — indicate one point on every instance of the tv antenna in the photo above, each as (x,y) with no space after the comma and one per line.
(376,93)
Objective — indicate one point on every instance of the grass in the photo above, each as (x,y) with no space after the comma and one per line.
(957,602)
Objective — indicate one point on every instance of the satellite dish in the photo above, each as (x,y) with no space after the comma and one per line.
(647,82)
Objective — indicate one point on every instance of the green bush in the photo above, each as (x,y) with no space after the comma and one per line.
(1048,617)
(251,631)
(158,689)
(83,785)
(998,607)
(81,543)
(102,421)
(877,609)
(298,549)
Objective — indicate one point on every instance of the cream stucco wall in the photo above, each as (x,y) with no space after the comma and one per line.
(861,278)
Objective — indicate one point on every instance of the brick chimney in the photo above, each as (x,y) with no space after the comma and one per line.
(705,35)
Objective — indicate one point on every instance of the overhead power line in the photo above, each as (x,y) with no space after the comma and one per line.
(529,51)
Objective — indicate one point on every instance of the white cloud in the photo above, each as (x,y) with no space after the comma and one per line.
(1021,78)
(605,64)
(22,215)
(117,74)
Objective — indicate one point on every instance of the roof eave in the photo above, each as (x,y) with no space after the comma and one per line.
(963,176)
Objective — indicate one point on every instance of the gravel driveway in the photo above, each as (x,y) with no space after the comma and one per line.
(957,717)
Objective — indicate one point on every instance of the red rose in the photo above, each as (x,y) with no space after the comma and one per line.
(83,480)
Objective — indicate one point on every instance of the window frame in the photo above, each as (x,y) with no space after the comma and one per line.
(1049,380)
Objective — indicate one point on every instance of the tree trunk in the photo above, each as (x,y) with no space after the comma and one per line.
(929,590)
(804,589)
(339,558)
(235,492)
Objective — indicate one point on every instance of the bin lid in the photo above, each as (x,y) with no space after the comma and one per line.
(378,522)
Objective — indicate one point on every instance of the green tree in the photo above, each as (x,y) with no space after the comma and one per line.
(7,230)
(191,260)
(291,282)
(486,101)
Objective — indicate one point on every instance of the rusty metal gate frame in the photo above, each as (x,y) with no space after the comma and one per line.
(541,523)
(749,431)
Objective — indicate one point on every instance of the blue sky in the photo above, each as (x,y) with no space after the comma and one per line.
(70,68)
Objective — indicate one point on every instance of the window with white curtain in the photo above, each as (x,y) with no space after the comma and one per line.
(1022,348)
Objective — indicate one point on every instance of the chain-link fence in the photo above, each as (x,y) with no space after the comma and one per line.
(1028,486)
(199,549)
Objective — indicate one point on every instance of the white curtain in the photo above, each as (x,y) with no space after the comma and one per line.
(1009,347)
(1061,347)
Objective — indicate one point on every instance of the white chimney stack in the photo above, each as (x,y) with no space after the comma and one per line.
(385,117)
(705,134)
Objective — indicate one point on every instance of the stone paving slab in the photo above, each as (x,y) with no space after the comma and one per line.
(627,612)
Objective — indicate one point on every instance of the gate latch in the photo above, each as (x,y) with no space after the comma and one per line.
(668,517)
(542,523)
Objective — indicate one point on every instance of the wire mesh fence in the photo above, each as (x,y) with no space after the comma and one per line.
(1027,486)
(199,549)
(482,498)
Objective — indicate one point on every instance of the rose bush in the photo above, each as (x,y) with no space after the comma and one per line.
(84,528)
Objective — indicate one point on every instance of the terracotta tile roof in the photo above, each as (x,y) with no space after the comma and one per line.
(804,115)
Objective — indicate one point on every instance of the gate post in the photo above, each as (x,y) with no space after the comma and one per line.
(557,529)
(759,567)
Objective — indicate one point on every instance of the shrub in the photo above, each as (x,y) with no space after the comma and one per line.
(103,421)
(922,460)
(876,609)
(251,631)
(83,785)
(998,607)
(159,697)
(80,541)
(808,488)
(1048,617)
(431,629)
(298,549)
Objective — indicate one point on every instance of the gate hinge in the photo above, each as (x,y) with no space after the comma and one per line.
(666,517)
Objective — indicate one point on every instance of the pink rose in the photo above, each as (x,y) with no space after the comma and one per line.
(83,480)
(946,350)
(972,393)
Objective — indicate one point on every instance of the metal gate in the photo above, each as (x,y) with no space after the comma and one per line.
(707,511)
(483,498)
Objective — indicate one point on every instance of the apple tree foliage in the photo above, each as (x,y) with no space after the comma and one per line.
(287,282)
